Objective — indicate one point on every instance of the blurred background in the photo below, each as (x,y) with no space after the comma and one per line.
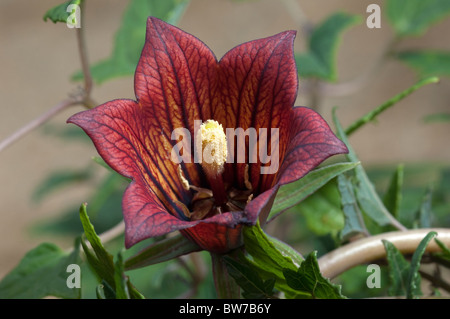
(38,58)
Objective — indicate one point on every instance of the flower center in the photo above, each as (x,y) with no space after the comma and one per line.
(213,148)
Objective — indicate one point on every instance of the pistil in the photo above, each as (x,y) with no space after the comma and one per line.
(212,143)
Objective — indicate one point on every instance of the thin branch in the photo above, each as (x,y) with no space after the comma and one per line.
(369,249)
(82,50)
(38,122)
(436,281)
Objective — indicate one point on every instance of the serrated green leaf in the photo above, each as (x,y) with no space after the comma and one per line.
(414,17)
(267,259)
(291,194)
(103,256)
(413,281)
(320,59)
(367,197)
(129,39)
(249,280)
(60,13)
(42,272)
(427,63)
(308,279)
(102,261)
(110,273)
(393,197)
(264,252)
(354,222)
(399,270)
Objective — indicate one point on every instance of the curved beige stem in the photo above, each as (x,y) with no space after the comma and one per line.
(372,248)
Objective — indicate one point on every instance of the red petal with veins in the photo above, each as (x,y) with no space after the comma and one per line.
(310,143)
(259,86)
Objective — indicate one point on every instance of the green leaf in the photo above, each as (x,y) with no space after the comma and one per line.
(264,252)
(60,13)
(308,279)
(42,272)
(320,60)
(399,270)
(366,195)
(253,286)
(267,259)
(129,39)
(110,273)
(322,210)
(427,63)
(414,17)
(161,251)
(405,277)
(104,265)
(354,223)
(445,249)
(393,197)
(413,276)
(291,194)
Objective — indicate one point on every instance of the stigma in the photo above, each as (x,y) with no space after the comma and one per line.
(213,147)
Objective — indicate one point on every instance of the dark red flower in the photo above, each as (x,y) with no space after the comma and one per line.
(178,83)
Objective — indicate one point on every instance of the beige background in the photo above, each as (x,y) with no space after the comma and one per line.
(37,59)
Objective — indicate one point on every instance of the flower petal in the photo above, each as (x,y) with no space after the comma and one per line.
(116,130)
(310,143)
(258,86)
(175,82)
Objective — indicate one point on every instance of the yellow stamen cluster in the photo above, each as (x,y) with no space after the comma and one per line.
(213,147)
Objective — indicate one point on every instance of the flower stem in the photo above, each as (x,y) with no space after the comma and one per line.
(226,287)
(372,248)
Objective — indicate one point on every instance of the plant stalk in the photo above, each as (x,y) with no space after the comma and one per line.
(371,248)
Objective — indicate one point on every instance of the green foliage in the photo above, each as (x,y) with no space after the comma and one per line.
(42,272)
(291,194)
(268,267)
(405,277)
(130,37)
(427,63)
(322,210)
(308,279)
(320,59)
(414,17)
(60,13)
(393,197)
(366,195)
(253,286)
(354,222)
(111,274)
